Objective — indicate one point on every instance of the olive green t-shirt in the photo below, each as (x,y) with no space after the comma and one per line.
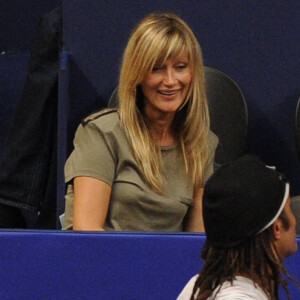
(102,151)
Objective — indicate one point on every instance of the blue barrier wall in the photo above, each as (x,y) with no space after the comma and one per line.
(106,266)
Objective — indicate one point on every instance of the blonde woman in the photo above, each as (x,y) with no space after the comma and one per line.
(142,167)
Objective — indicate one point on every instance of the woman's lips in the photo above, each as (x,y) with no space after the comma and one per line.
(169,93)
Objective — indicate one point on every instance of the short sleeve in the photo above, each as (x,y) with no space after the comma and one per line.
(92,155)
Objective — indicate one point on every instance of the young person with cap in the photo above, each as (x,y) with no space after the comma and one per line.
(250,229)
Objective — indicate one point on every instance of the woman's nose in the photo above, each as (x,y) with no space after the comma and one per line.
(169,77)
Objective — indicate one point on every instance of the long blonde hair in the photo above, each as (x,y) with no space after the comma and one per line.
(157,38)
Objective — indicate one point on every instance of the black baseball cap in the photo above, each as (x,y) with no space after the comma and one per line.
(241,199)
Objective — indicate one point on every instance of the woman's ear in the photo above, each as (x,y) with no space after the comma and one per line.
(276,228)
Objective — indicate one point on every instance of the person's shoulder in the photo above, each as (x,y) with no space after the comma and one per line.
(187,291)
(107,117)
(240,288)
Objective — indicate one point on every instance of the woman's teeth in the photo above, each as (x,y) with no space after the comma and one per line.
(168,93)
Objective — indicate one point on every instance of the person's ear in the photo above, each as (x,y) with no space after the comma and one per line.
(276,228)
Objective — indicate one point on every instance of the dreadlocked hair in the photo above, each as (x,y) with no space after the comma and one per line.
(257,259)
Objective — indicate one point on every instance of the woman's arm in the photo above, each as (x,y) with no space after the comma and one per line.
(91,202)
(194,219)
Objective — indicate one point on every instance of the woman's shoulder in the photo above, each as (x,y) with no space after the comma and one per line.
(103,115)
(105,120)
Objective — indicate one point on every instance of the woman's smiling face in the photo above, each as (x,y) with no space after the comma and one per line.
(166,87)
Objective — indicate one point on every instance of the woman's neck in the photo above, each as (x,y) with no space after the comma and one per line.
(162,132)
(164,137)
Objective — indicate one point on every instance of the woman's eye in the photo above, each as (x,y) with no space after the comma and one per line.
(181,67)
(156,69)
